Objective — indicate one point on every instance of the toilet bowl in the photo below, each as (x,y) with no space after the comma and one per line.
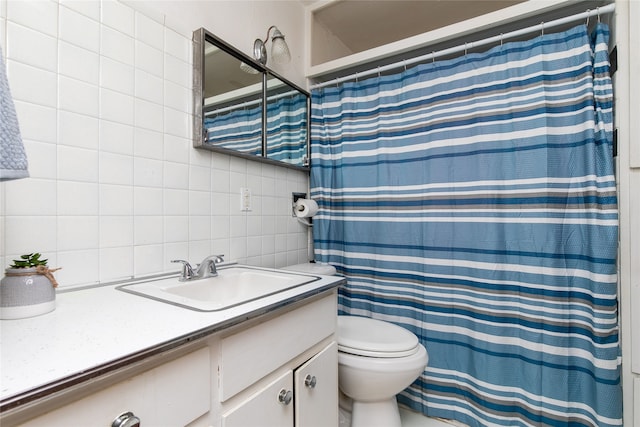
(376,361)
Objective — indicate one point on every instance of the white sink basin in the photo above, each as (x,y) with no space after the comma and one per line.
(233,286)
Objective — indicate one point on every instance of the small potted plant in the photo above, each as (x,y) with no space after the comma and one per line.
(28,288)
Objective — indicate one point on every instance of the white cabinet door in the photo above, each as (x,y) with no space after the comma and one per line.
(265,408)
(316,386)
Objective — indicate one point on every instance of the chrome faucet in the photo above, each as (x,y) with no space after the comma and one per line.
(207,268)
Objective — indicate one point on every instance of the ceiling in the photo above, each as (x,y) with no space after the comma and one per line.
(365,24)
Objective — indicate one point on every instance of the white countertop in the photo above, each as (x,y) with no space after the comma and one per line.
(93,327)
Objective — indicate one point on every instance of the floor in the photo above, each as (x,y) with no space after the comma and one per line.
(414,419)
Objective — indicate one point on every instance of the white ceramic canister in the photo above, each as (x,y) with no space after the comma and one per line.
(25,293)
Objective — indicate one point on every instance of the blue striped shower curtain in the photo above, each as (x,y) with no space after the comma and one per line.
(239,130)
(473,201)
(287,129)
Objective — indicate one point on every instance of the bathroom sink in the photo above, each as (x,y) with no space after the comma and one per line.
(233,286)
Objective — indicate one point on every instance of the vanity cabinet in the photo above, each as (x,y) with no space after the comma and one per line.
(172,394)
(282,372)
(279,368)
(305,397)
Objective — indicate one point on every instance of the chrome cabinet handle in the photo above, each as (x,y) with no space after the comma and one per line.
(126,419)
(310,381)
(285,396)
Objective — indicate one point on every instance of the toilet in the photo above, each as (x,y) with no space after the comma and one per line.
(376,361)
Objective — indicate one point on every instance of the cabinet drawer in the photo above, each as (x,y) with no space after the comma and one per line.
(251,354)
(173,394)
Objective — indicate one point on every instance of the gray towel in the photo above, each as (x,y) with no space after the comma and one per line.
(13,159)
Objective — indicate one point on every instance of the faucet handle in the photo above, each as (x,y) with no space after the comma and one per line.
(187,270)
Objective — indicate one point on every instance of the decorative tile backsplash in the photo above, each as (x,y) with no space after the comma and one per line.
(103,95)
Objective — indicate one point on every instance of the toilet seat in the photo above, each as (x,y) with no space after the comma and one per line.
(363,336)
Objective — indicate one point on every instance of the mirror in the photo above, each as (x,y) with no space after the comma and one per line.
(243,109)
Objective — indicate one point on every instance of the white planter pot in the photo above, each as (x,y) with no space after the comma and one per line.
(25,295)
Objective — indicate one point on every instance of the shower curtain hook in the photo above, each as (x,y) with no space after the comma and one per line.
(598,10)
(433,56)
(542,28)
(465,49)
(588,15)
(356,77)
(378,71)
(501,40)
(404,63)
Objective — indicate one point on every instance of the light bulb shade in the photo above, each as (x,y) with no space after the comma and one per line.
(279,49)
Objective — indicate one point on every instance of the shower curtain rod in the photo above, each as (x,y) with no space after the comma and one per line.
(499,38)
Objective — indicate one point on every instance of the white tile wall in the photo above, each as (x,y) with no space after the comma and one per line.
(103,96)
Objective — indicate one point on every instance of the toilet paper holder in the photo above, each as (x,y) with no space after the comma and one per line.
(295,197)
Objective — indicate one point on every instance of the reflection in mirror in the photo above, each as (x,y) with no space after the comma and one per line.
(286,122)
(230,113)
(232,106)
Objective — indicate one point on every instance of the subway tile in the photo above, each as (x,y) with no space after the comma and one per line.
(25,234)
(78,130)
(148,230)
(148,259)
(237,226)
(30,196)
(80,267)
(201,157)
(3,38)
(199,227)
(117,76)
(79,29)
(176,202)
(176,149)
(199,178)
(149,31)
(77,164)
(116,137)
(175,175)
(177,45)
(116,231)
(77,96)
(88,8)
(77,232)
(149,87)
(177,97)
(116,107)
(254,226)
(116,199)
(78,63)
(177,123)
(149,59)
(177,71)
(116,263)
(220,204)
(31,84)
(222,246)
(116,169)
(77,198)
(174,250)
(31,47)
(268,225)
(147,172)
(238,249)
(219,227)
(219,181)
(199,203)
(37,123)
(176,229)
(39,15)
(42,159)
(200,249)
(148,143)
(147,201)
(117,45)
(118,16)
(254,246)
(148,115)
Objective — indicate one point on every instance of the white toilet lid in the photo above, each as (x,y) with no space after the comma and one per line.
(364,336)
(313,268)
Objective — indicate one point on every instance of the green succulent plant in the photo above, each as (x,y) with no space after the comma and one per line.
(28,261)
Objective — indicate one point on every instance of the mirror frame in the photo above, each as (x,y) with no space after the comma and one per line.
(202,36)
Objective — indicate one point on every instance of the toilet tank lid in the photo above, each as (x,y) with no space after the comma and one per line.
(313,268)
(364,333)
